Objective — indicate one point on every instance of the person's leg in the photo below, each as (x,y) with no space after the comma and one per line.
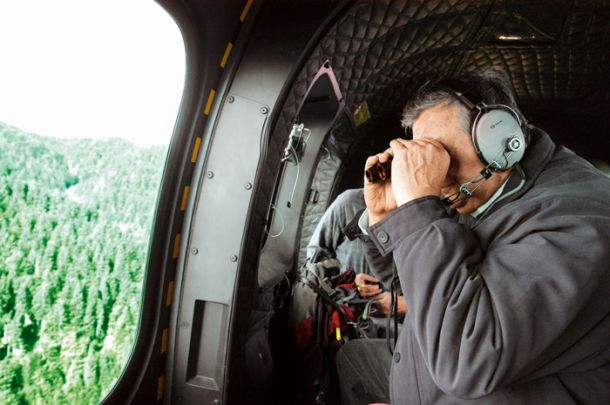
(363,367)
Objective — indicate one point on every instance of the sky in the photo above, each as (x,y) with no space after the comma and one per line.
(90,69)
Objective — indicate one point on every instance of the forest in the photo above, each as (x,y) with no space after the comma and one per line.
(75,222)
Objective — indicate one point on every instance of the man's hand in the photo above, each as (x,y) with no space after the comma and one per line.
(378,196)
(419,169)
(383,301)
(368,286)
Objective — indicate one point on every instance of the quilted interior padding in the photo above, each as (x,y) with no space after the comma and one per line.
(558,62)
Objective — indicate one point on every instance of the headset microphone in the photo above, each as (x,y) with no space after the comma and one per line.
(464,191)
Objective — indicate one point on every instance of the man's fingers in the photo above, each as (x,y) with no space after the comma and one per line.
(362,277)
(399,143)
(373,160)
(379,158)
(368,291)
(427,142)
(367,285)
(399,148)
(382,303)
(386,155)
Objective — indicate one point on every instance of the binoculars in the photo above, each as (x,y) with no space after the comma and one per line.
(379,172)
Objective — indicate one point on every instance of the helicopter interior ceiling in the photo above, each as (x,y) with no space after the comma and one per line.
(558,62)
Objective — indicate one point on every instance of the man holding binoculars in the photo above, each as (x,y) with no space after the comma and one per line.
(500,239)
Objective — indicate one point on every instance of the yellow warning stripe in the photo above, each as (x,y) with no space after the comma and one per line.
(170,293)
(164,340)
(208,106)
(225,57)
(196,150)
(160,387)
(176,246)
(245,11)
(185,197)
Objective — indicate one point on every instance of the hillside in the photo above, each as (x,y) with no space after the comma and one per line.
(75,220)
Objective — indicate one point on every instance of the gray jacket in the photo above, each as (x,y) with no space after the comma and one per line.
(330,235)
(514,308)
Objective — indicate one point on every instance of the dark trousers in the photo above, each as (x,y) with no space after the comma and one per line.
(363,367)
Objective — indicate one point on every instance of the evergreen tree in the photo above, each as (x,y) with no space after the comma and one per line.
(75,221)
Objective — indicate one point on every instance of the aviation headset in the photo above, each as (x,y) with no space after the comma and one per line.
(497,129)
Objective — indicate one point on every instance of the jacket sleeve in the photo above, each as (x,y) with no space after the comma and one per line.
(381,266)
(485,319)
(328,234)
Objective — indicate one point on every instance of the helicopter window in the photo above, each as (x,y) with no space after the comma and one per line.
(87,109)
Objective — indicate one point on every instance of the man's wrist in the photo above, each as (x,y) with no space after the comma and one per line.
(363,222)
(374,218)
(401,200)
(405,220)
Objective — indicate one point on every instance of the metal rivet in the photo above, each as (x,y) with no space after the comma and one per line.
(184,325)
(195,251)
(264,110)
(230,99)
(248,186)
(233,258)
(216,402)
(209,175)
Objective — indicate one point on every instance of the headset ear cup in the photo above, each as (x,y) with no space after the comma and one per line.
(498,138)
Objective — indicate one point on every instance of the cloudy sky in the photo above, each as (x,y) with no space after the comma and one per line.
(84,68)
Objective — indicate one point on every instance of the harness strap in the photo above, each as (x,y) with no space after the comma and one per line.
(328,298)
(322,292)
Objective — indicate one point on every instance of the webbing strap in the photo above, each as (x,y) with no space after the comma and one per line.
(322,293)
